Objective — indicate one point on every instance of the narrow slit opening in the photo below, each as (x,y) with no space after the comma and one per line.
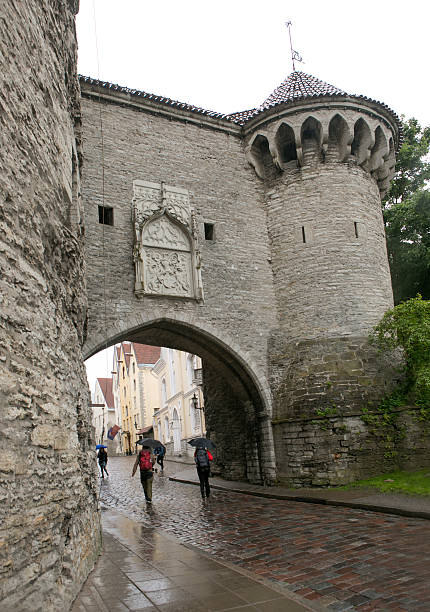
(209,231)
(303,234)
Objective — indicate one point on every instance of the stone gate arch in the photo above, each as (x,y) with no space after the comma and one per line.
(237,396)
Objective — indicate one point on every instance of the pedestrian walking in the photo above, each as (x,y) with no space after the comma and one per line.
(160,452)
(202,457)
(145,460)
(103,459)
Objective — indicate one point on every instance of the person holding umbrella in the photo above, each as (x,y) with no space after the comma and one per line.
(145,460)
(202,457)
(103,459)
(160,452)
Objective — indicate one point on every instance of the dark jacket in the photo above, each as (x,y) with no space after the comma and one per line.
(102,456)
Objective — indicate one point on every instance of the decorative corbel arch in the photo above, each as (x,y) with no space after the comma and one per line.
(363,141)
(285,143)
(339,138)
(380,150)
(257,151)
(311,131)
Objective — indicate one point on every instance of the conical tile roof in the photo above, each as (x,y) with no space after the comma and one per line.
(300,85)
(297,86)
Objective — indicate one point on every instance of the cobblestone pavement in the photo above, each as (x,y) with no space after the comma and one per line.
(344,559)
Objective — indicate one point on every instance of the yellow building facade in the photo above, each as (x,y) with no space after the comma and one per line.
(157,393)
(135,390)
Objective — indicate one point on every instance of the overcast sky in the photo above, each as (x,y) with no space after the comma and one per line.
(230,55)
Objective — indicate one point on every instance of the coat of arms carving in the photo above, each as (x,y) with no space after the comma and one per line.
(166,254)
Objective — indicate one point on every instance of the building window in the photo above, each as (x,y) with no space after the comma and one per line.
(303,233)
(163,392)
(209,231)
(190,370)
(166,429)
(106,215)
(172,372)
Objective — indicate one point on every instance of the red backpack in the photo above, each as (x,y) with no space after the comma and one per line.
(145,462)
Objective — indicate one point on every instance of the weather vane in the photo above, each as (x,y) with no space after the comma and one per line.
(294,55)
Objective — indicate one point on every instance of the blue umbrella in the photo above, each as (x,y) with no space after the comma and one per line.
(100,446)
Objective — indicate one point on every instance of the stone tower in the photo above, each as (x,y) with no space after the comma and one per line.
(324,158)
(288,249)
(49,499)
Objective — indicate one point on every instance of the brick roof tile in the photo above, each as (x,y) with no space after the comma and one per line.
(106,388)
(145,353)
(297,86)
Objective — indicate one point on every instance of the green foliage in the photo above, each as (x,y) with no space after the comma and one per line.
(407,226)
(407,215)
(328,412)
(325,415)
(411,483)
(412,169)
(383,422)
(407,325)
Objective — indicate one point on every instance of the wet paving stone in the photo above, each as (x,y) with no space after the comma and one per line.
(345,558)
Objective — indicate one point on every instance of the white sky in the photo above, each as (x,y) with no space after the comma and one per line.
(230,55)
(99,366)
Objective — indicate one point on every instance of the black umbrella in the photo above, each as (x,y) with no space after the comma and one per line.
(204,442)
(149,442)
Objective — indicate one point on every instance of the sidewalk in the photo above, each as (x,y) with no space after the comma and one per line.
(389,503)
(142,569)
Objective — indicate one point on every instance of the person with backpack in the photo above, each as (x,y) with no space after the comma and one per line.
(159,452)
(103,459)
(145,460)
(201,459)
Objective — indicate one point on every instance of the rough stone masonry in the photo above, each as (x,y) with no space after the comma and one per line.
(254,240)
(49,533)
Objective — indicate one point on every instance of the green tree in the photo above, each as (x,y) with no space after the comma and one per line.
(408,326)
(407,215)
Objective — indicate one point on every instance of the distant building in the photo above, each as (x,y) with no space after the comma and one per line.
(179,415)
(104,414)
(157,393)
(135,391)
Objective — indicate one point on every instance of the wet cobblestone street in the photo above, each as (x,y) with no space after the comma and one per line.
(342,558)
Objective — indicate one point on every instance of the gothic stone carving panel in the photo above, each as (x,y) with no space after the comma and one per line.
(166,256)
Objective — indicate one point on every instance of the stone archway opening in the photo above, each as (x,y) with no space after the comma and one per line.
(235,408)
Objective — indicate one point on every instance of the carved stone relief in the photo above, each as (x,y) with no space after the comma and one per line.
(166,255)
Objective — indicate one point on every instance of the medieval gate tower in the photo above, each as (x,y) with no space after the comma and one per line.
(253,239)
(264,230)
(324,158)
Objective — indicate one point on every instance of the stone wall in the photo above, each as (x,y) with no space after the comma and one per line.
(206,160)
(337,449)
(226,425)
(329,281)
(295,277)
(329,374)
(322,386)
(49,534)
